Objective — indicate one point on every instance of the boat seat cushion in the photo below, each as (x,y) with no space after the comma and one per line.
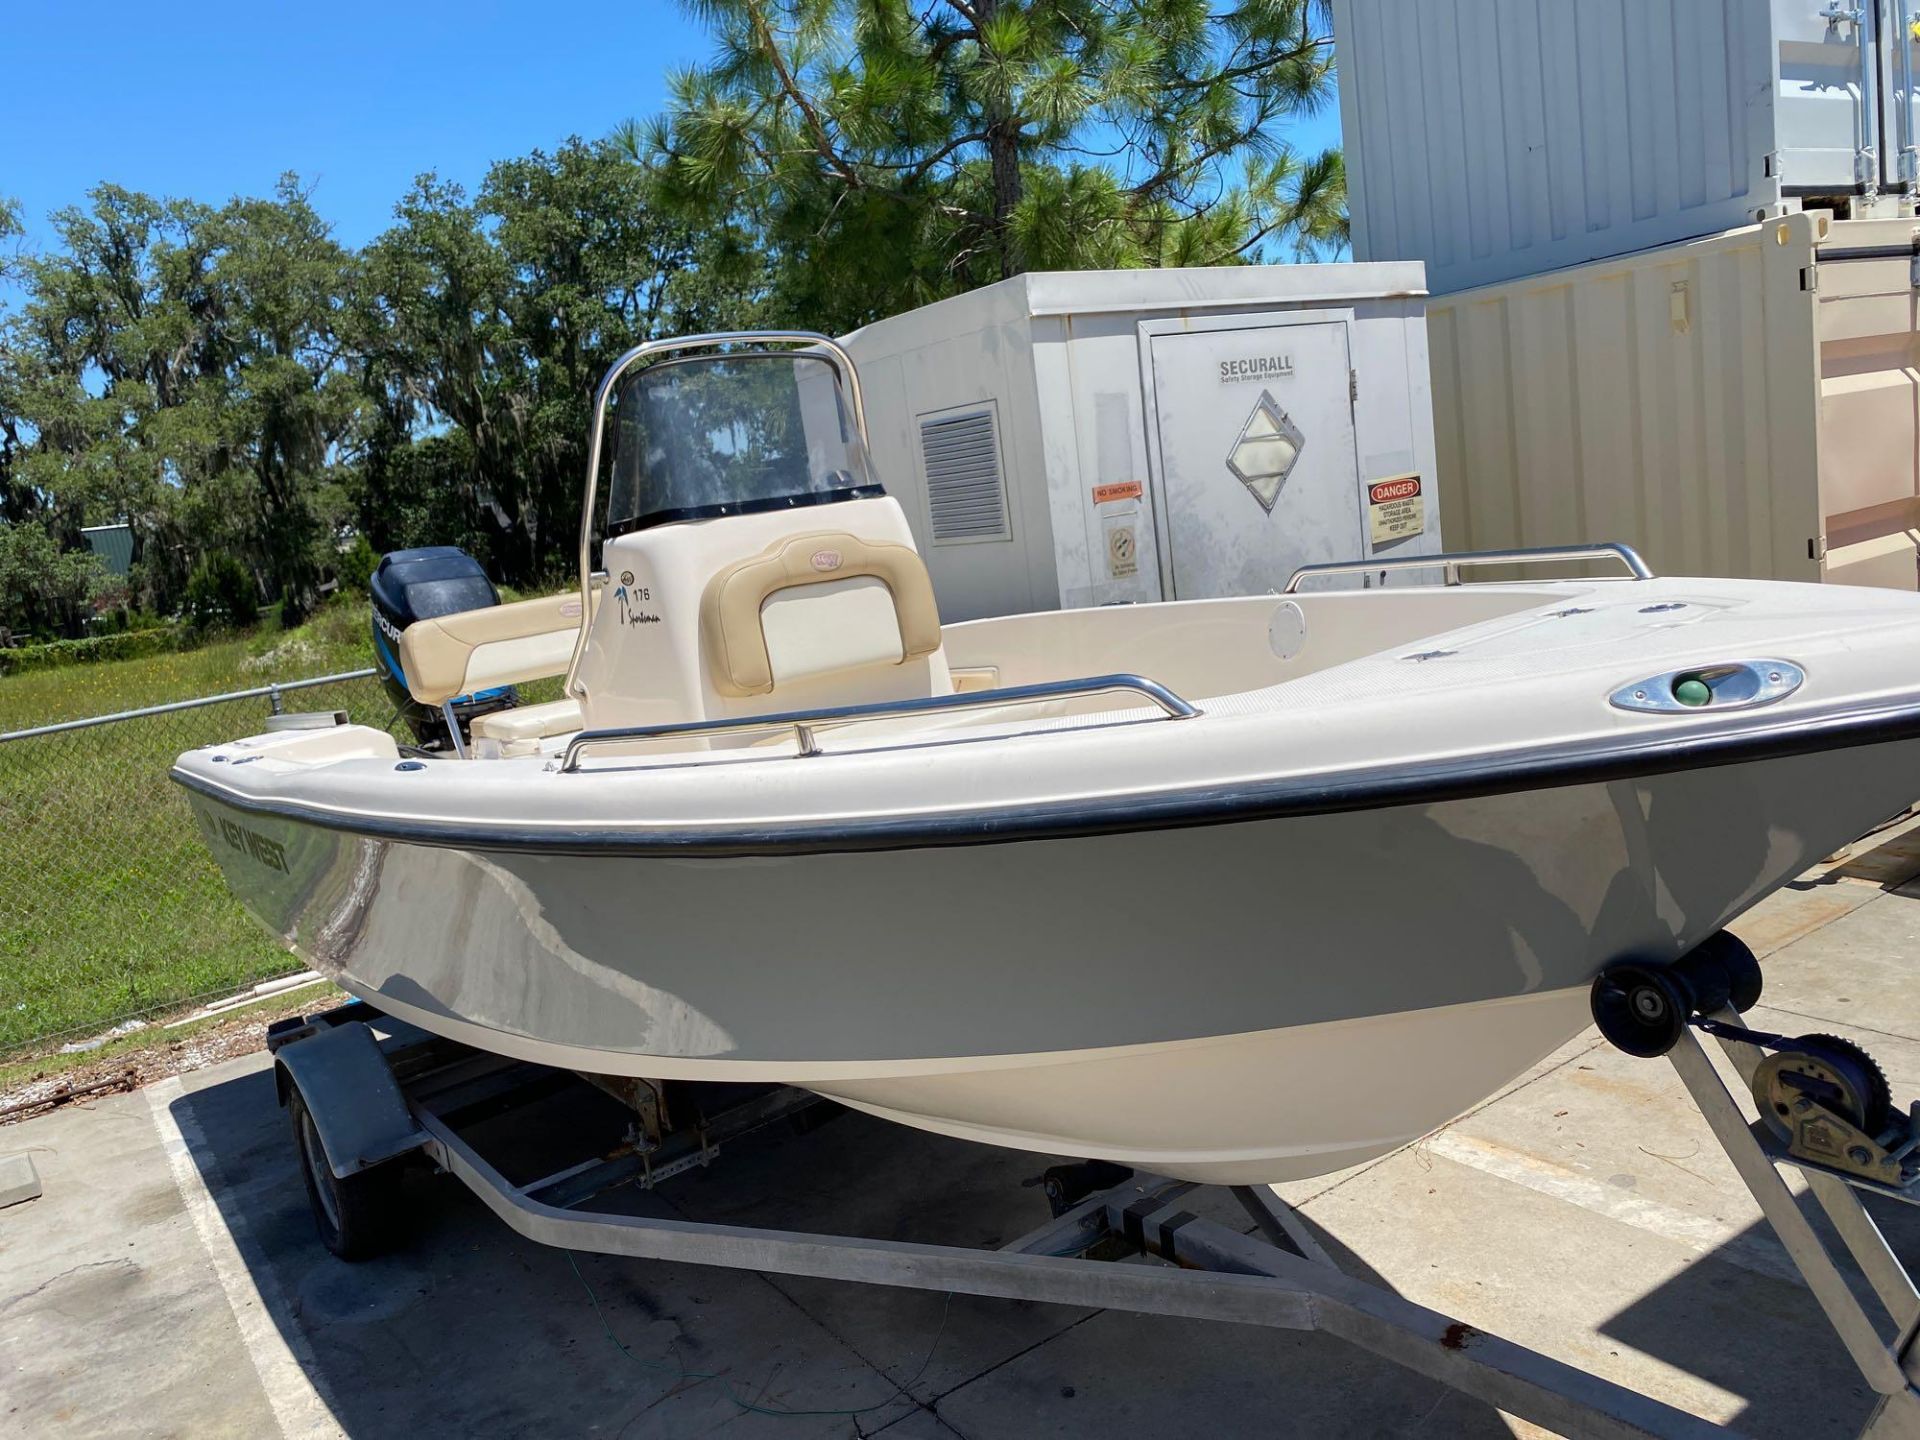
(529,722)
(471,650)
(816,604)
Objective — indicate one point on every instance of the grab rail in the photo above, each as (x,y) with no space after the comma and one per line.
(804,721)
(1451,564)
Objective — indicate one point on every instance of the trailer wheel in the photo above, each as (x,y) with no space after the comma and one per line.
(358,1216)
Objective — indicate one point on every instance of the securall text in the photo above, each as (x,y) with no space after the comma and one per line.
(1255,367)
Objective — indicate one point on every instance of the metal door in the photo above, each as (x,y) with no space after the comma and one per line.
(1258,470)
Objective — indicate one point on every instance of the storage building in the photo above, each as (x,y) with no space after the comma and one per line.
(1101,437)
(1740,405)
(1499,138)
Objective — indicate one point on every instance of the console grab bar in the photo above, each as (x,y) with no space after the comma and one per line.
(804,721)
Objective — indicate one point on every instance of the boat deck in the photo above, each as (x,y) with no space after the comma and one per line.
(168,1280)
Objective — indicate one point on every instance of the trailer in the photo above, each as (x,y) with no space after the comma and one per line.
(367,1094)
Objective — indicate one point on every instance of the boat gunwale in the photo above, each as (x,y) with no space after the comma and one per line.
(1350,789)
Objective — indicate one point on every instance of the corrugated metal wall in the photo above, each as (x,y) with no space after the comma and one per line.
(1495,138)
(1669,399)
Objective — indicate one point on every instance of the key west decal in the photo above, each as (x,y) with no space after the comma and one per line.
(249,842)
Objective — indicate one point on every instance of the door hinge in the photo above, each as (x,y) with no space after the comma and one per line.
(1353,387)
(1817,547)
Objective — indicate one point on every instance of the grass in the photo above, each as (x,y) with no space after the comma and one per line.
(110,905)
(335,639)
(142,1045)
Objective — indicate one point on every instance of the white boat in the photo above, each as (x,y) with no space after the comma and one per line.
(1233,890)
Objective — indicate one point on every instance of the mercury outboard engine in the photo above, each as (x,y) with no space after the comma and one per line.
(410,585)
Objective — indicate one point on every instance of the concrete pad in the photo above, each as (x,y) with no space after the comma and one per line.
(1590,1214)
(983,1197)
(1864,970)
(19,1181)
(1609,1296)
(1120,1374)
(503,1334)
(111,1320)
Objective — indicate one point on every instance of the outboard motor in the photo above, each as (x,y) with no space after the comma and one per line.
(410,585)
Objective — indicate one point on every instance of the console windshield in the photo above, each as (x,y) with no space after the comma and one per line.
(720,435)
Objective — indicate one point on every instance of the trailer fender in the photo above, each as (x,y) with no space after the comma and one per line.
(350,1092)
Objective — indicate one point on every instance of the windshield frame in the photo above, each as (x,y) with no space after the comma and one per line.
(862,489)
(807,340)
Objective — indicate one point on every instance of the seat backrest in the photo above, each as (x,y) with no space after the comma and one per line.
(762,613)
(816,604)
(452,655)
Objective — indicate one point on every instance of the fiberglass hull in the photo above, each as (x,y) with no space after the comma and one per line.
(1235,1001)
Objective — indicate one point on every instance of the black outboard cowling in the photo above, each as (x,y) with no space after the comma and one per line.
(410,585)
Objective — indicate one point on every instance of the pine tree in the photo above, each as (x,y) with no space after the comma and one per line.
(893,152)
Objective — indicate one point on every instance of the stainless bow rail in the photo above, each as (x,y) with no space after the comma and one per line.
(1454,563)
(804,722)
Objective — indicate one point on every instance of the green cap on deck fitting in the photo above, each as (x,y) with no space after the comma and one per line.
(1692,690)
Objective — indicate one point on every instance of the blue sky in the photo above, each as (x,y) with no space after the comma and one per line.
(212,98)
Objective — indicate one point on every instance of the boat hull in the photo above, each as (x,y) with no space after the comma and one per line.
(1251,1001)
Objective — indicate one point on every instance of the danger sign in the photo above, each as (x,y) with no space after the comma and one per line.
(1396,509)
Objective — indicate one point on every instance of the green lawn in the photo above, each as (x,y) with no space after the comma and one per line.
(109,903)
(335,640)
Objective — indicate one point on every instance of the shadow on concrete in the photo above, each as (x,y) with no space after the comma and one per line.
(470,1329)
(1741,1320)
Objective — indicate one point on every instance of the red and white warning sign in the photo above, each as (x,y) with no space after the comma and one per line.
(1396,509)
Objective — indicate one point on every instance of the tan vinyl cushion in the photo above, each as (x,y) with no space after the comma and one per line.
(529,722)
(735,637)
(478,649)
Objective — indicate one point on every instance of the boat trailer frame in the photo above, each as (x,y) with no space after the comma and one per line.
(373,1101)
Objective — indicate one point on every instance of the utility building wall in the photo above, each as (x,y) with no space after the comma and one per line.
(1499,138)
(1111,437)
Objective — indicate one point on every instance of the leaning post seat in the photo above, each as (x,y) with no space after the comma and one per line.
(815,604)
(453,655)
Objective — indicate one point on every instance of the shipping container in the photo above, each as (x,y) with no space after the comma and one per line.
(1739,405)
(1102,437)
(1499,138)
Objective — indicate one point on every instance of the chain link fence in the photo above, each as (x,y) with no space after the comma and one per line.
(111,909)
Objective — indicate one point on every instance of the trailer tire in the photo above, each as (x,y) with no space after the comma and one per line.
(357,1215)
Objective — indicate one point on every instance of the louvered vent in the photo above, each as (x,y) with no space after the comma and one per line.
(965,490)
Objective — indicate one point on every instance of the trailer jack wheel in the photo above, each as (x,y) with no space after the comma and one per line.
(357,1215)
